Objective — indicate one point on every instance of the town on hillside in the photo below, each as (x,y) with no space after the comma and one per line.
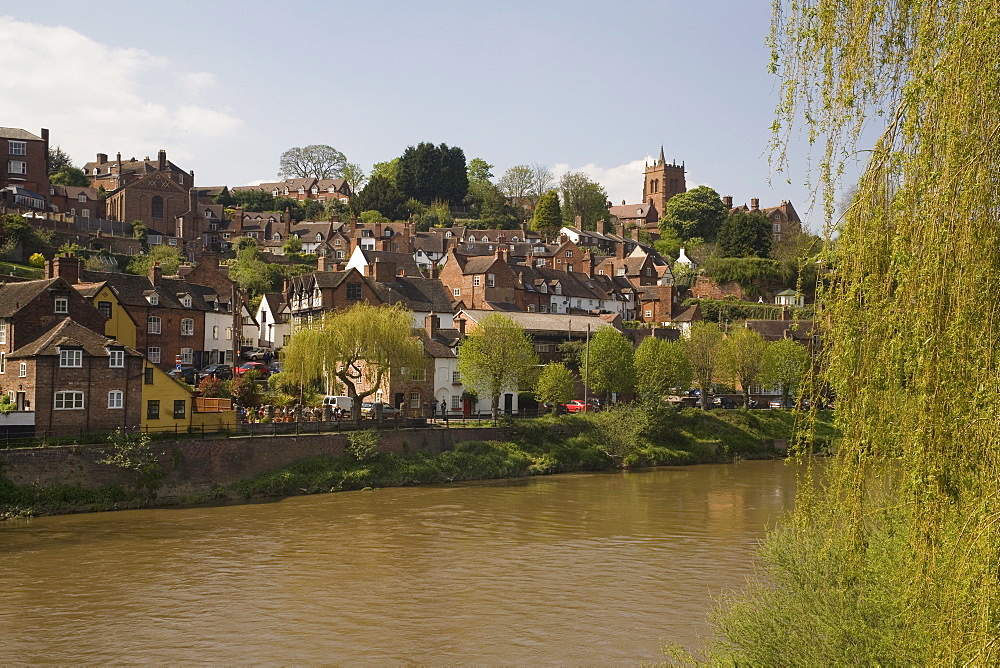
(126,284)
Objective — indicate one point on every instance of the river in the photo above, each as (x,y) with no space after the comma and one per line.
(568,569)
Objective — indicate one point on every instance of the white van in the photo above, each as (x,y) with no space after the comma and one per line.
(342,402)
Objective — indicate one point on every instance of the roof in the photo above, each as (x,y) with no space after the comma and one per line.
(18,133)
(627,211)
(133,289)
(774,330)
(14,296)
(68,333)
(546,322)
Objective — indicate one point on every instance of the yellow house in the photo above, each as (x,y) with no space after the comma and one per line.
(120,325)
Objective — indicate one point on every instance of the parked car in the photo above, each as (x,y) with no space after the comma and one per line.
(258,354)
(368,409)
(777,403)
(186,374)
(579,406)
(725,402)
(220,371)
(259,367)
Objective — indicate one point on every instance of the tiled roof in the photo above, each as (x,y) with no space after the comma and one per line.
(66,332)
(133,290)
(13,296)
(19,134)
(547,322)
(774,330)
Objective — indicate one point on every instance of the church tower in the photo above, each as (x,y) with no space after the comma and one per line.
(662,182)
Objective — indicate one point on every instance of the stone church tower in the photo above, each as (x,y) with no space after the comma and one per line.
(662,182)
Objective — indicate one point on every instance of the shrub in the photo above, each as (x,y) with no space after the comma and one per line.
(364,445)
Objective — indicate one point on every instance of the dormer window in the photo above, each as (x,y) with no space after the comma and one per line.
(81,197)
(515,239)
(319,236)
(314,190)
(186,301)
(387,232)
(153,299)
(302,191)
(447,235)
(558,288)
(275,237)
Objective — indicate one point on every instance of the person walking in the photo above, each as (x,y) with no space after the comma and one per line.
(444,410)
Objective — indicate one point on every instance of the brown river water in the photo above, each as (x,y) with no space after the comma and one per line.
(579,569)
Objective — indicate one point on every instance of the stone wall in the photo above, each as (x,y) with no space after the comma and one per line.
(196,466)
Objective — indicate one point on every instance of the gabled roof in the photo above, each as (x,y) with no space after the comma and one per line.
(774,330)
(14,296)
(546,322)
(132,290)
(416,294)
(68,333)
(402,261)
(18,134)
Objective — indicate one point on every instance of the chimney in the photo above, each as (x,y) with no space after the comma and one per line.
(434,269)
(754,204)
(192,178)
(321,263)
(161,159)
(728,201)
(102,158)
(65,267)
(45,138)
(620,250)
(155,273)
(460,322)
(600,226)
(431,325)
(635,234)
(119,162)
(384,272)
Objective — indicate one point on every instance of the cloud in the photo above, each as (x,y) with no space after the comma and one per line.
(98,98)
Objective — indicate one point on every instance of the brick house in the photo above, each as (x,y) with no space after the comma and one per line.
(24,160)
(482,282)
(784,218)
(76,201)
(301,189)
(76,380)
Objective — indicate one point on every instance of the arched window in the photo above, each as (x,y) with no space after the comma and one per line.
(157,206)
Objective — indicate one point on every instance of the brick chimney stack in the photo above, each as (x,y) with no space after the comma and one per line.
(431,325)
(321,263)
(600,226)
(162,160)
(382,271)
(65,267)
(728,201)
(154,274)
(754,204)
(102,158)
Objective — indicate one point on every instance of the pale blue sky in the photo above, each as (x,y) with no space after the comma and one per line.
(225,87)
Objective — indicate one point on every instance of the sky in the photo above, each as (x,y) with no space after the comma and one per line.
(225,87)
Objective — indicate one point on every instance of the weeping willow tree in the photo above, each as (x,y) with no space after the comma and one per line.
(892,556)
(356,349)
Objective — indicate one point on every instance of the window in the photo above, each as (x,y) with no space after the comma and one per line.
(153,324)
(415,399)
(456,402)
(649,271)
(153,409)
(475,281)
(3,362)
(569,268)
(490,280)
(62,305)
(340,255)
(456,378)
(153,299)
(215,331)
(569,253)
(70,357)
(186,301)
(105,309)
(187,327)
(153,354)
(3,331)
(180,409)
(621,271)
(69,401)
(17,167)
(147,375)
(229,333)
(156,206)
(116,399)
(85,213)
(354,291)
(17,147)
(187,355)
(117,358)
(82,197)
(648,313)
(418,375)
(456,292)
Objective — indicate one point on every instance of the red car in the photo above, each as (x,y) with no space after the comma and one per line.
(259,367)
(578,406)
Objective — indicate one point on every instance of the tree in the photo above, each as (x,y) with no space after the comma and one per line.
(745,234)
(479,170)
(702,348)
(427,172)
(555,384)
(292,245)
(224,198)
(610,362)
(547,219)
(495,358)
(252,273)
(697,213)
(169,258)
(58,159)
(785,366)
(382,196)
(743,358)
(582,199)
(253,200)
(516,185)
(388,169)
(69,176)
(541,182)
(317,161)
(357,348)
(661,367)
(355,177)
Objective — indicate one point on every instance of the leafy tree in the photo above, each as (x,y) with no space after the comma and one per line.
(169,257)
(516,184)
(254,200)
(244,389)
(697,213)
(786,365)
(212,387)
(572,354)
(37,260)
(224,198)
(292,245)
(611,362)
(317,161)
(56,160)
(252,273)
(479,170)
(357,348)
(69,176)
(743,358)
(496,357)
(382,196)
(541,182)
(555,384)
(669,244)
(363,445)
(702,348)
(660,367)
(355,177)
(745,234)
(583,199)
(548,216)
(371,217)
(427,172)
(388,170)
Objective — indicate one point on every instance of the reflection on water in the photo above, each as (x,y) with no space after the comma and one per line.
(570,569)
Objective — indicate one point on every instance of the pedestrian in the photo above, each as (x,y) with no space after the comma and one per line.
(444,410)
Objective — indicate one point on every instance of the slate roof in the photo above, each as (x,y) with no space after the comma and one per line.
(66,332)
(132,290)
(18,134)
(416,294)
(13,296)
(402,261)
(547,322)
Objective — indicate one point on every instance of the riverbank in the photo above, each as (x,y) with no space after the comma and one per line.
(237,470)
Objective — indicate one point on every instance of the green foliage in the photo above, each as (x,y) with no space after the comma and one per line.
(6,405)
(745,234)
(133,452)
(382,196)
(253,200)
(555,384)
(69,176)
(786,364)
(292,245)
(696,213)
(548,215)
(37,260)
(139,230)
(745,271)
(660,367)
(363,445)
(224,198)
(703,347)
(387,170)
(582,199)
(427,172)
(572,354)
(244,389)
(252,273)
(495,358)
(355,177)
(729,310)
(479,170)
(56,160)
(743,359)
(210,386)
(611,361)
(669,244)
(169,257)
